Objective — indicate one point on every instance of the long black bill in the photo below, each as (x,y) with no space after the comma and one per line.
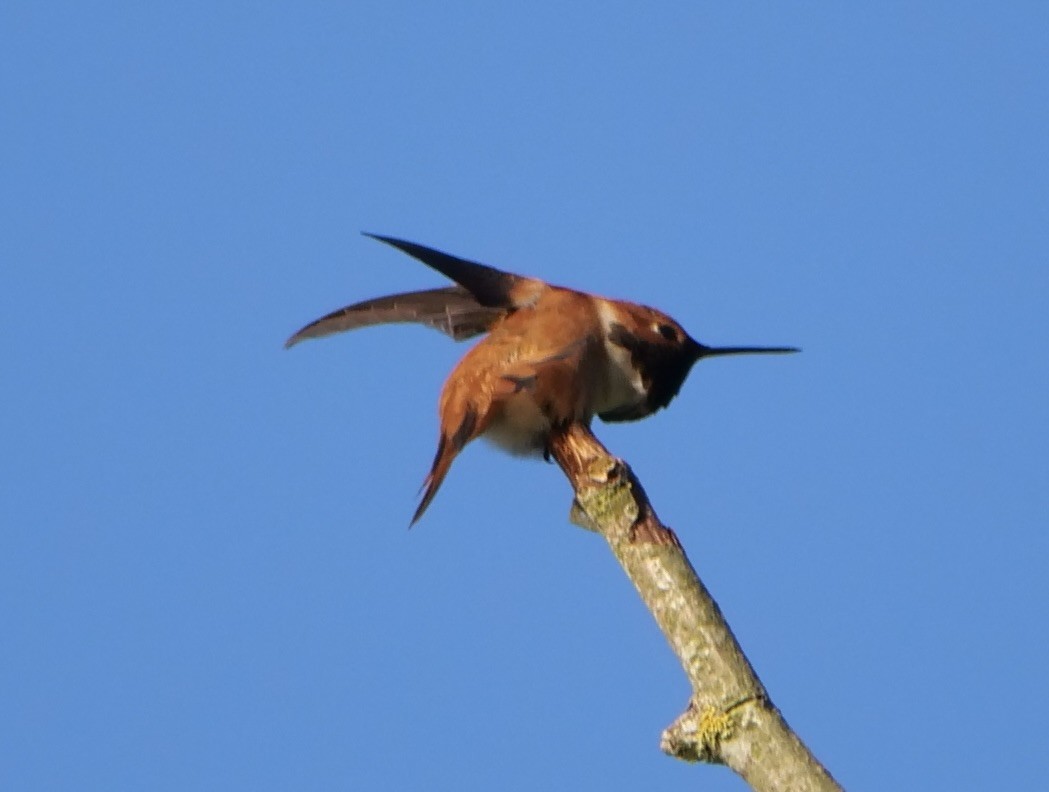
(703,351)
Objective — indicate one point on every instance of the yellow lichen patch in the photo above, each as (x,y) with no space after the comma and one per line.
(609,502)
(714,727)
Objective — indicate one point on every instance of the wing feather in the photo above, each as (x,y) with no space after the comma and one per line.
(492,287)
(452,310)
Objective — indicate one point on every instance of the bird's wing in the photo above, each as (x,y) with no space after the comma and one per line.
(492,287)
(452,310)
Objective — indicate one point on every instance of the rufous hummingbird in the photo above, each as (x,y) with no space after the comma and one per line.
(552,355)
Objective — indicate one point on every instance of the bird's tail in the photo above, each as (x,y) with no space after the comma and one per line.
(448,447)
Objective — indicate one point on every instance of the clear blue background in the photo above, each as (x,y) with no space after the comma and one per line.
(206,577)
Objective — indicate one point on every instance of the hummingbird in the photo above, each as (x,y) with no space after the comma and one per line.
(552,355)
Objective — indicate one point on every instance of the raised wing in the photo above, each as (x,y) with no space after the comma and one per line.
(452,310)
(493,288)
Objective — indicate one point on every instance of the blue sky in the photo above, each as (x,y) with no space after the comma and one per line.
(206,577)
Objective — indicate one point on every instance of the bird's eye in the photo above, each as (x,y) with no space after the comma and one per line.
(668,332)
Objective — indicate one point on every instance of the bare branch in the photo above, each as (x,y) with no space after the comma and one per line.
(729,718)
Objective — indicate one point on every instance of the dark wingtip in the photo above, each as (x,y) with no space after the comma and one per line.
(400,244)
(300,335)
(491,287)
